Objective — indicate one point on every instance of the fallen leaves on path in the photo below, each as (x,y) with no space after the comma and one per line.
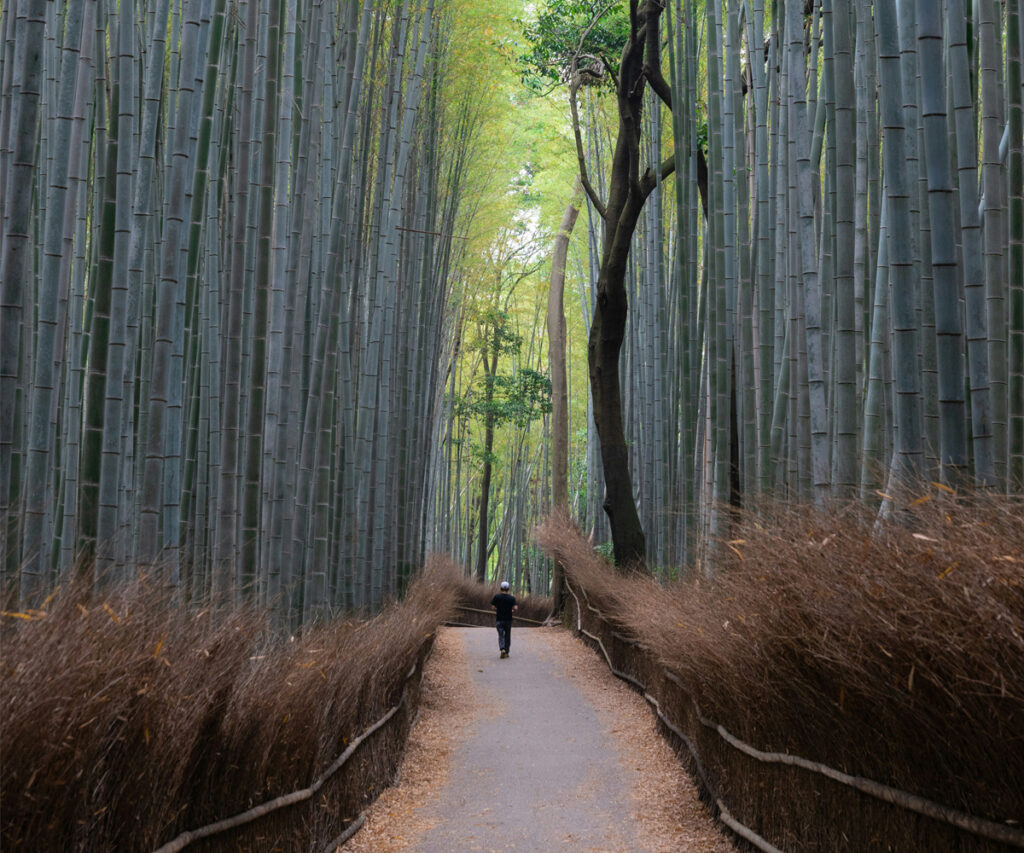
(397,819)
(664,812)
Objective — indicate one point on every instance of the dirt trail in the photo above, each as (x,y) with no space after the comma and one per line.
(543,751)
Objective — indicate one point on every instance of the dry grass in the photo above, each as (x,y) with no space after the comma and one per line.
(127,720)
(891,651)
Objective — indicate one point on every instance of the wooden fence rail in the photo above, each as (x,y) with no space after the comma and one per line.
(491,613)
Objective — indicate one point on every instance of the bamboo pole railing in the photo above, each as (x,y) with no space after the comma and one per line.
(491,613)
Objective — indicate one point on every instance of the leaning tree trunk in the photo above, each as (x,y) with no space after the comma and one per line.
(559,389)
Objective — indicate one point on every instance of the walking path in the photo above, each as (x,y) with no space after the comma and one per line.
(544,751)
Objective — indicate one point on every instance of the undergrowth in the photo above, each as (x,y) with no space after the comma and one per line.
(128,719)
(890,650)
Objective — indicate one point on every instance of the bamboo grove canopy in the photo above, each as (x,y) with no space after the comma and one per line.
(230,235)
(224,282)
(847,313)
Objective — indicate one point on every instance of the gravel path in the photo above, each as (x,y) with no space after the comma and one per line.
(544,751)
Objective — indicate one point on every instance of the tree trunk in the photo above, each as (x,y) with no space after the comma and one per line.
(628,189)
(559,389)
(606,333)
(485,481)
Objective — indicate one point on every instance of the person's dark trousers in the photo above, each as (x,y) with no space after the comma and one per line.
(504,636)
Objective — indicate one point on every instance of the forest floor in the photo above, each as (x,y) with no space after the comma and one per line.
(544,751)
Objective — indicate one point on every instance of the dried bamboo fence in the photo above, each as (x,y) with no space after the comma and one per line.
(381,757)
(775,801)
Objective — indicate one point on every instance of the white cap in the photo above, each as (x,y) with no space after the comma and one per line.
(504,584)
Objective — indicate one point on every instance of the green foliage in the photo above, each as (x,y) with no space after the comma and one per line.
(516,398)
(554,37)
(501,398)
(495,334)
(483,455)
(666,574)
(522,185)
(528,393)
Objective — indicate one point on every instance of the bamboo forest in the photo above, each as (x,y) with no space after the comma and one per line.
(687,336)
(276,279)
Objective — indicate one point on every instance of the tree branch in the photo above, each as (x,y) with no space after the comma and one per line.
(584,174)
(649,181)
(658,84)
(652,57)
(586,32)
(630,100)
(611,73)
(652,178)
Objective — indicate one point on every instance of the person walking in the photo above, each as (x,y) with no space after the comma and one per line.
(504,605)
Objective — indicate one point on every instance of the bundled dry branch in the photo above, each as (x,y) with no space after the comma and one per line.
(128,720)
(889,651)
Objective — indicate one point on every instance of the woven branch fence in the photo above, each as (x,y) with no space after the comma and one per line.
(779,802)
(377,753)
